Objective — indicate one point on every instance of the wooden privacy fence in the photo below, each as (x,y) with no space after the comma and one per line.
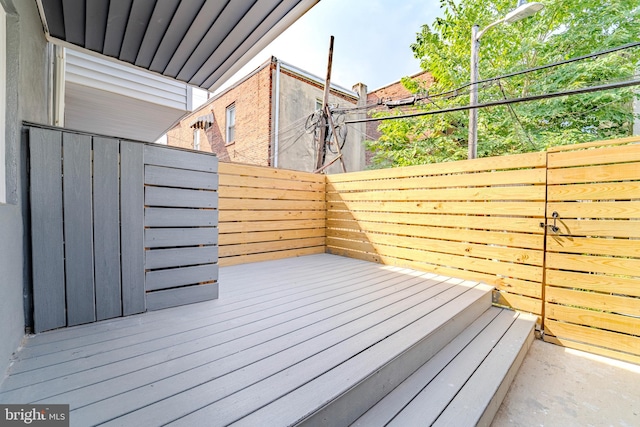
(91,256)
(269,213)
(592,286)
(476,220)
(495,220)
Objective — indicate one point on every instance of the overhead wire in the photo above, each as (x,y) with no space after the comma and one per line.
(627,83)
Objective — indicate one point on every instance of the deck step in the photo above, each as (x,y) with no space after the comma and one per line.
(344,393)
(465,383)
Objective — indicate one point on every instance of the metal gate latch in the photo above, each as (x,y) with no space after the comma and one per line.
(553,227)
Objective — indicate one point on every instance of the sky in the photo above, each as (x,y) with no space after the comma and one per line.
(372,40)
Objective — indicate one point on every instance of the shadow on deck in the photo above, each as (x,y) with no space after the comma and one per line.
(321,340)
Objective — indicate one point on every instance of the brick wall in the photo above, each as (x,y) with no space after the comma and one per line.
(394,91)
(252,100)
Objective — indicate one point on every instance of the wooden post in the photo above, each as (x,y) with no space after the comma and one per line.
(335,136)
(325,102)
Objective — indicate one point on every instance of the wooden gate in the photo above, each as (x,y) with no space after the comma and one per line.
(117,227)
(592,274)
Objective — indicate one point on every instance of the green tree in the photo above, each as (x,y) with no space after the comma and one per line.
(563,29)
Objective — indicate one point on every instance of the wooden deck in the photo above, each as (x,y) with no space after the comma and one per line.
(319,339)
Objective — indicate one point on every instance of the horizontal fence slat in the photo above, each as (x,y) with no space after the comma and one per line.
(489,193)
(250,226)
(593,264)
(181,296)
(268,236)
(267,205)
(607,352)
(177,197)
(520,240)
(181,178)
(597,337)
(597,191)
(262,182)
(531,305)
(594,282)
(227,216)
(172,237)
(594,246)
(251,248)
(602,155)
(235,169)
(511,209)
(601,227)
(174,277)
(268,193)
(163,258)
(481,179)
(525,225)
(518,161)
(518,302)
(520,271)
(594,144)
(520,255)
(175,217)
(597,319)
(267,256)
(176,158)
(593,300)
(604,210)
(606,173)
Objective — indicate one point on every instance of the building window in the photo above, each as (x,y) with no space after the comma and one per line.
(231,123)
(196,139)
(3,105)
(318,104)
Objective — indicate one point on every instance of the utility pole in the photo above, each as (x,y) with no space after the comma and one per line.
(325,103)
(473,112)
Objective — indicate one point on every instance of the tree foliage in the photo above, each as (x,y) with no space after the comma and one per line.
(563,29)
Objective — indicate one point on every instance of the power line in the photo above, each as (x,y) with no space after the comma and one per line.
(580,91)
(515,116)
(457,92)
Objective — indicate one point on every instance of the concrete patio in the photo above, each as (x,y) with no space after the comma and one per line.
(559,386)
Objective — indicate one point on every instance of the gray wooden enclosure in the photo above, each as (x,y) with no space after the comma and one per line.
(118,227)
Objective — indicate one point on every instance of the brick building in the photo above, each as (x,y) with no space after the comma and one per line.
(263,120)
(394,90)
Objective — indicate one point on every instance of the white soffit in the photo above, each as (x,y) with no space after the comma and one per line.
(200,42)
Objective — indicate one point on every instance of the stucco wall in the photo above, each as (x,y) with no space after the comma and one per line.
(296,148)
(26,100)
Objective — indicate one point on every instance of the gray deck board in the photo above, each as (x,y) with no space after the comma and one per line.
(132,226)
(106,232)
(258,307)
(228,337)
(297,363)
(78,228)
(47,240)
(286,339)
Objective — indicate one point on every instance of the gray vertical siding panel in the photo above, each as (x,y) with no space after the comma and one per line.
(46,229)
(132,227)
(106,227)
(78,228)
